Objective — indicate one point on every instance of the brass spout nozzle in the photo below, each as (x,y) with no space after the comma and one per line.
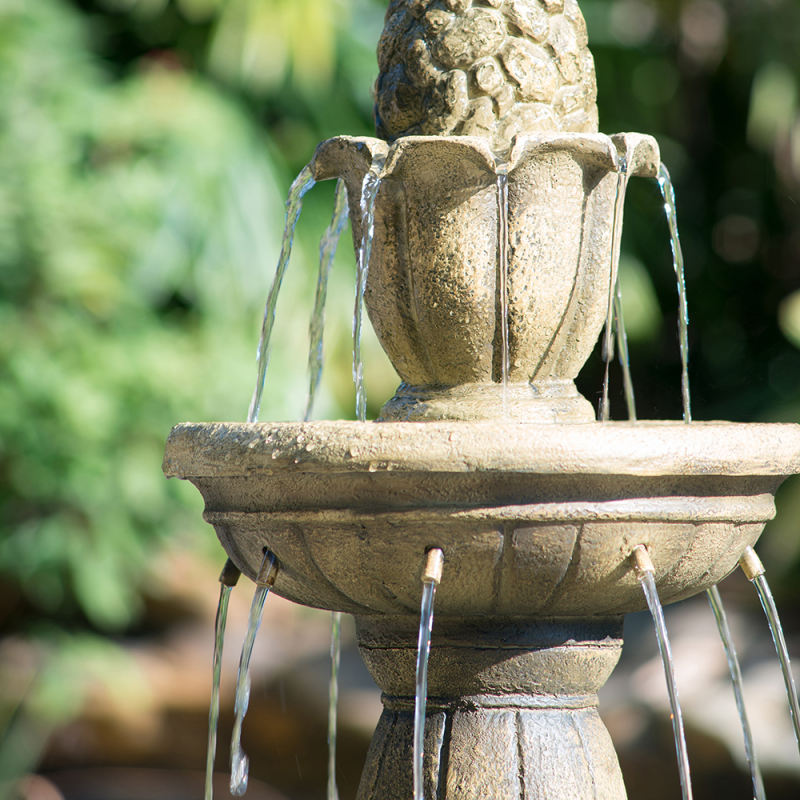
(751,564)
(230,574)
(269,569)
(434,561)
(641,560)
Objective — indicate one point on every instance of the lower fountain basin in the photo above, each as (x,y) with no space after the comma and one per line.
(534,520)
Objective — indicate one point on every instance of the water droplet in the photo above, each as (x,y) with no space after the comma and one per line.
(240,772)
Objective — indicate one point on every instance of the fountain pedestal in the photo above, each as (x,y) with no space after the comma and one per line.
(512,709)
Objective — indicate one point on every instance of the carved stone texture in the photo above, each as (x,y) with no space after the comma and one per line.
(495,69)
(534,520)
(512,709)
(433,289)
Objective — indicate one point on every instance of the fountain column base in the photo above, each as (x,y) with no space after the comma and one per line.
(512,709)
(544,401)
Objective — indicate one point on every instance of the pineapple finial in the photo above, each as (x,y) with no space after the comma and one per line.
(490,68)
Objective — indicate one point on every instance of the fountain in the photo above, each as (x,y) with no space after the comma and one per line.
(492,272)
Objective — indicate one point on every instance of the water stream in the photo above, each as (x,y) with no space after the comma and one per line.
(754,570)
(613,289)
(227,580)
(369,193)
(431,576)
(738,691)
(624,357)
(294,204)
(240,766)
(333,701)
(327,252)
(502,273)
(668,195)
(768,604)
(646,575)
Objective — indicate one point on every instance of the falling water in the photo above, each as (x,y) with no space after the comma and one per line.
(431,576)
(227,579)
(738,692)
(768,604)
(646,575)
(239,761)
(327,252)
(616,238)
(754,570)
(333,701)
(369,193)
(668,194)
(624,357)
(502,272)
(294,204)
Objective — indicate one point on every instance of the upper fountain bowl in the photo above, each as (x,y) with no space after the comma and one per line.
(534,520)
(447,271)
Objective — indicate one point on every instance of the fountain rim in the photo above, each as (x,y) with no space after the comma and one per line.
(641,151)
(641,448)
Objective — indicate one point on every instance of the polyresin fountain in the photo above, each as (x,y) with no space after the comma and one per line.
(496,227)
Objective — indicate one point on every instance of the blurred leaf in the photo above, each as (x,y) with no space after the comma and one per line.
(773,105)
(639,302)
(138,218)
(257,43)
(789,318)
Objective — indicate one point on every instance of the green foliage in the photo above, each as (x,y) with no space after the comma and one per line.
(46,681)
(140,217)
(122,258)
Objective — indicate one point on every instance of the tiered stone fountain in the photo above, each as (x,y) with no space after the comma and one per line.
(536,505)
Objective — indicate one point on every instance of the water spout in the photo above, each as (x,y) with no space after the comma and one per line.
(431,577)
(502,275)
(327,252)
(668,195)
(616,239)
(624,356)
(738,690)
(645,572)
(333,701)
(228,579)
(239,762)
(294,205)
(754,570)
(369,194)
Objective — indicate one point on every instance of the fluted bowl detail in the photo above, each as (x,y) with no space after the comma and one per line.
(434,284)
(535,521)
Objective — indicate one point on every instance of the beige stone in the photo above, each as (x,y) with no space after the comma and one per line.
(535,506)
(433,283)
(536,522)
(540,47)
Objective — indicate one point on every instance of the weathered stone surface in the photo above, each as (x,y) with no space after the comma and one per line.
(536,521)
(532,19)
(464,39)
(511,710)
(433,75)
(433,290)
(532,69)
(533,519)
